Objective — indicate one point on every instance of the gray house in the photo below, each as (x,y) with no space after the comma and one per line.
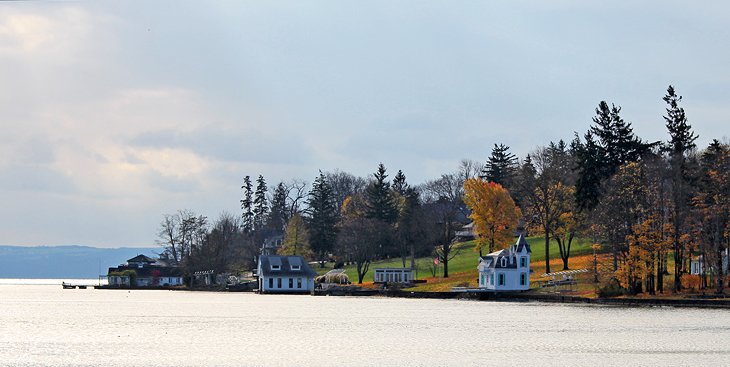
(285,274)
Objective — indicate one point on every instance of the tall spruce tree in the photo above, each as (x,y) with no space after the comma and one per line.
(247,205)
(399,183)
(278,215)
(500,167)
(260,204)
(322,219)
(379,200)
(681,142)
(610,143)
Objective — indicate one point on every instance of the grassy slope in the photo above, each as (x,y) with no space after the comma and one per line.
(462,268)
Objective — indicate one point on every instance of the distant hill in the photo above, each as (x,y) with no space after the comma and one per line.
(64,261)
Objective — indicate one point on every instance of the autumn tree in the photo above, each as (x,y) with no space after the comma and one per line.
(568,224)
(296,239)
(359,236)
(493,212)
(712,205)
(544,185)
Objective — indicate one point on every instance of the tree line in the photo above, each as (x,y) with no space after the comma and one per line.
(649,204)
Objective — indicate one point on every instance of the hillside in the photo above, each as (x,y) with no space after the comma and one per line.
(462,268)
(63,261)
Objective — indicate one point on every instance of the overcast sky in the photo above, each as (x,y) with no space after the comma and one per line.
(115,113)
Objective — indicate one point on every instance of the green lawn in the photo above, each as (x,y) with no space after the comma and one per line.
(466,259)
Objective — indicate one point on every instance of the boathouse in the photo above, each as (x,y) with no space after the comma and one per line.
(284,274)
(393,275)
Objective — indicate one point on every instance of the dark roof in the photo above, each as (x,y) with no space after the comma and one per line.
(141,259)
(497,257)
(522,243)
(285,263)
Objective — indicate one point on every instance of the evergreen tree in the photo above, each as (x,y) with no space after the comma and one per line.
(322,218)
(247,205)
(379,200)
(681,142)
(278,216)
(260,204)
(589,165)
(399,183)
(500,167)
(610,143)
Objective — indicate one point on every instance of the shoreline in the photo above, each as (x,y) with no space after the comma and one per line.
(545,298)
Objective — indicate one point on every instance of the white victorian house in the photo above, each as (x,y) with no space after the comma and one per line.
(506,270)
(284,274)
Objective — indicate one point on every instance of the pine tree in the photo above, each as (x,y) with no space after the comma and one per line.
(399,183)
(379,199)
(681,141)
(247,205)
(260,204)
(322,218)
(500,167)
(278,216)
(610,143)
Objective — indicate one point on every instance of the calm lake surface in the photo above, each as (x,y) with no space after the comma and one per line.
(42,325)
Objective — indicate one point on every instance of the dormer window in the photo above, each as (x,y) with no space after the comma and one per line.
(275,267)
(296,267)
(504,262)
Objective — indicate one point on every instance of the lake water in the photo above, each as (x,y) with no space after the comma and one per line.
(42,325)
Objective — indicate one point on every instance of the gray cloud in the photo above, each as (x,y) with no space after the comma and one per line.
(240,145)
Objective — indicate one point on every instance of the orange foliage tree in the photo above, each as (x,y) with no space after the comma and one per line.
(493,211)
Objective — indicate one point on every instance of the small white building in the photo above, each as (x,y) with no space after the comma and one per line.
(284,274)
(393,275)
(697,265)
(506,270)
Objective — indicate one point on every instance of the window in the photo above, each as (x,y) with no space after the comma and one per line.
(523,262)
(299,282)
(296,267)
(491,278)
(504,262)
(278,282)
(481,279)
(500,278)
(275,267)
(291,283)
(271,282)
(523,278)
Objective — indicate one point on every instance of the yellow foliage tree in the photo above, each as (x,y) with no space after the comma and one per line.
(493,212)
(296,239)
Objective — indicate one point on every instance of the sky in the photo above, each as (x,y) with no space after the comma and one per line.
(116,113)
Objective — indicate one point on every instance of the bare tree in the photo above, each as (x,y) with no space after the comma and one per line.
(443,201)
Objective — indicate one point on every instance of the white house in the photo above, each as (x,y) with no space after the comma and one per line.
(393,275)
(506,270)
(284,274)
(698,264)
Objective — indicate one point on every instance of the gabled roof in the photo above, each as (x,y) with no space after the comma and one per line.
(141,259)
(522,243)
(285,266)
